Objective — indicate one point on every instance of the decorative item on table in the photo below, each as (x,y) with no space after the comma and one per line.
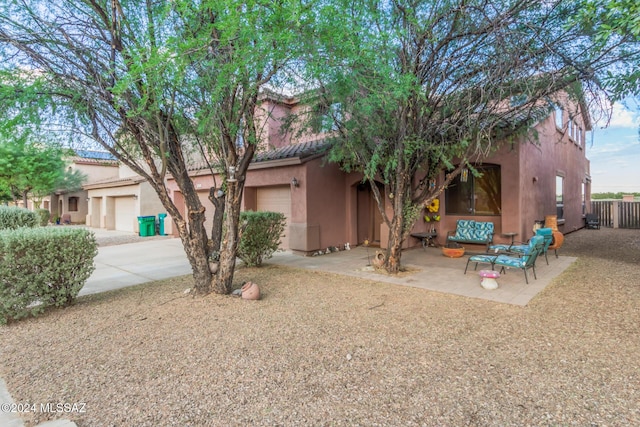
(453,250)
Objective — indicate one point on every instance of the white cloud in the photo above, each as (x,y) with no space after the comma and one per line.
(622,116)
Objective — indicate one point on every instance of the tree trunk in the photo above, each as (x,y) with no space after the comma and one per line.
(394,247)
(218,219)
(223,280)
(194,239)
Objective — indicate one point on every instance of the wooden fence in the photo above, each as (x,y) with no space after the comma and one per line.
(617,214)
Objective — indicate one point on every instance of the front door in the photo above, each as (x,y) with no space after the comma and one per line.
(369,216)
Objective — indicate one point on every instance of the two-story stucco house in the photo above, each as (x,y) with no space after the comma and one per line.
(522,183)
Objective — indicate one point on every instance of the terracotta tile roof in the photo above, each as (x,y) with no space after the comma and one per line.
(95,155)
(302,150)
(89,157)
(114,182)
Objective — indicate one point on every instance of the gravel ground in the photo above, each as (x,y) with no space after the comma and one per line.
(325,350)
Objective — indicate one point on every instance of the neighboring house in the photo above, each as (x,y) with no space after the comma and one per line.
(522,183)
(72,207)
(117,202)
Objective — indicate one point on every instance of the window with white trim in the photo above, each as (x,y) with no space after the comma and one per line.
(560,196)
(558,116)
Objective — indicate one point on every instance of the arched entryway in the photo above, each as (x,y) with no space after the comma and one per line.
(368,216)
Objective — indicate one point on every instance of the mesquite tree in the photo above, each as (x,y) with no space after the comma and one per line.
(160,85)
(426,87)
(31,168)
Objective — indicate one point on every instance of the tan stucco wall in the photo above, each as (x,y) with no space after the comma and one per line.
(96,172)
(101,212)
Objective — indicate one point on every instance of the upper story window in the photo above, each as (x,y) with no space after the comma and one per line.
(470,195)
(579,136)
(560,196)
(558,116)
(327,118)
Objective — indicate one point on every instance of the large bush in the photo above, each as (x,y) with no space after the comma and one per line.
(44,215)
(259,236)
(13,217)
(43,267)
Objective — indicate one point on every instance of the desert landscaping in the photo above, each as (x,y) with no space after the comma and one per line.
(324,349)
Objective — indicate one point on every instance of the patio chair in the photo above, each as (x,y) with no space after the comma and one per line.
(524,262)
(523,248)
(484,259)
(592,221)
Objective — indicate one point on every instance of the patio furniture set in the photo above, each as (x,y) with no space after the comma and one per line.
(517,255)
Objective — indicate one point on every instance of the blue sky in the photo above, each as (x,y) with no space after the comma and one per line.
(615,151)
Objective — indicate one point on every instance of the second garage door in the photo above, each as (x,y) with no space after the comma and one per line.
(125,213)
(276,199)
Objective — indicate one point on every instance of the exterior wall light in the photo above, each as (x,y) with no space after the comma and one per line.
(294,182)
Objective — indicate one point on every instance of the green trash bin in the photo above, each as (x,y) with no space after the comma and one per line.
(161,218)
(147,226)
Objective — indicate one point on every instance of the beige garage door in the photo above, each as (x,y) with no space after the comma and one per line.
(125,213)
(276,199)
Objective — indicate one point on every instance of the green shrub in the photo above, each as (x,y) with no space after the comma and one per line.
(44,216)
(13,217)
(43,267)
(260,236)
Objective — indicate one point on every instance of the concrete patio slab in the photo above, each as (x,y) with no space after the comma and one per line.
(430,270)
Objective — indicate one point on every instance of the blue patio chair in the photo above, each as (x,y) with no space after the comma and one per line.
(523,248)
(524,262)
(485,259)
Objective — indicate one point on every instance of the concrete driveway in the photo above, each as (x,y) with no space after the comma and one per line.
(119,266)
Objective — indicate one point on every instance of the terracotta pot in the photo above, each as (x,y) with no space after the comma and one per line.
(452,252)
(378,259)
(250,291)
(558,240)
(551,221)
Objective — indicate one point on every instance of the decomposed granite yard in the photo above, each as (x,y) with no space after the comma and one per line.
(327,350)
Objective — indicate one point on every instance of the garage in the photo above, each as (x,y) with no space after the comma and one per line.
(125,208)
(276,199)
